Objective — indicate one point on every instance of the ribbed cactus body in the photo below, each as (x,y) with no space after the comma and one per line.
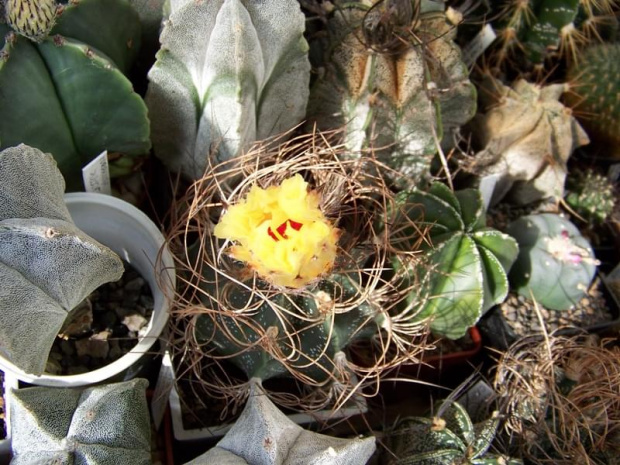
(594,94)
(229,73)
(467,263)
(398,102)
(47,265)
(447,438)
(71,89)
(555,264)
(102,425)
(302,333)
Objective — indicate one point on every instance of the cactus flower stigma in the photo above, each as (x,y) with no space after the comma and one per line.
(281,233)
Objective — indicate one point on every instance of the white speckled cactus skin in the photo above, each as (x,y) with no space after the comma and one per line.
(102,425)
(47,265)
(263,435)
(229,73)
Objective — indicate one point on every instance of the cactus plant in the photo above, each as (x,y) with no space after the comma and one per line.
(100,425)
(526,137)
(398,102)
(263,435)
(469,261)
(447,438)
(535,31)
(229,72)
(555,265)
(591,195)
(71,89)
(47,264)
(593,94)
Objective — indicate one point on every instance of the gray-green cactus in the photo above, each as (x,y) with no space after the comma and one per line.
(71,89)
(447,438)
(400,103)
(102,425)
(526,137)
(556,264)
(591,195)
(593,94)
(229,73)
(467,263)
(263,435)
(47,265)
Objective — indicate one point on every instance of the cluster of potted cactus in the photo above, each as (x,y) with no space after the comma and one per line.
(343,194)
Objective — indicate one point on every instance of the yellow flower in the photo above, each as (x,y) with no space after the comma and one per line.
(281,233)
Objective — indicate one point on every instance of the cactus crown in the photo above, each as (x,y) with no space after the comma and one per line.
(591,195)
(31,18)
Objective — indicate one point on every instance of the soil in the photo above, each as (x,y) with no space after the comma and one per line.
(103,328)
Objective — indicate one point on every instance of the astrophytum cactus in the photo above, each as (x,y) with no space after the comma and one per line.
(526,136)
(229,73)
(263,435)
(68,93)
(101,425)
(398,102)
(47,265)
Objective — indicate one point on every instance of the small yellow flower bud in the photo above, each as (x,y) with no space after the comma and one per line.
(281,233)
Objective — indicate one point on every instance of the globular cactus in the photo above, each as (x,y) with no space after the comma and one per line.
(447,438)
(397,94)
(468,262)
(101,425)
(594,96)
(526,137)
(591,195)
(539,32)
(32,18)
(263,435)
(229,73)
(71,87)
(47,265)
(556,263)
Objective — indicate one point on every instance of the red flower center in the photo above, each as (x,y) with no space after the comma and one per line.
(281,230)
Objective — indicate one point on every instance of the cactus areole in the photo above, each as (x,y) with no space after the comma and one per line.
(281,233)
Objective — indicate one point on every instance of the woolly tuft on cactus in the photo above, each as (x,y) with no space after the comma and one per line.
(526,136)
(102,425)
(71,89)
(47,265)
(398,102)
(555,265)
(468,261)
(229,73)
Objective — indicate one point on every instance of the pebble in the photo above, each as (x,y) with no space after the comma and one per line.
(106,338)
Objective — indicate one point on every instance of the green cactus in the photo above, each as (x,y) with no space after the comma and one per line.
(536,31)
(47,265)
(591,195)
(71,89)
(555,264)
(229,73)
(594,94)
(449,437)
(263,435)
(398,102)
(101,425)
(31,18)
(468,261)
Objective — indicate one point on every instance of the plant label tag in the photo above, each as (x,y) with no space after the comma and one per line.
(96,175)
(161,394)
(478,45)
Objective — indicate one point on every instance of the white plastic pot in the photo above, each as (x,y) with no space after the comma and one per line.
(135,238)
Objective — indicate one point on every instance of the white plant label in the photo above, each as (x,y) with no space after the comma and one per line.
(161,394)
(478,45)
(96,175)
